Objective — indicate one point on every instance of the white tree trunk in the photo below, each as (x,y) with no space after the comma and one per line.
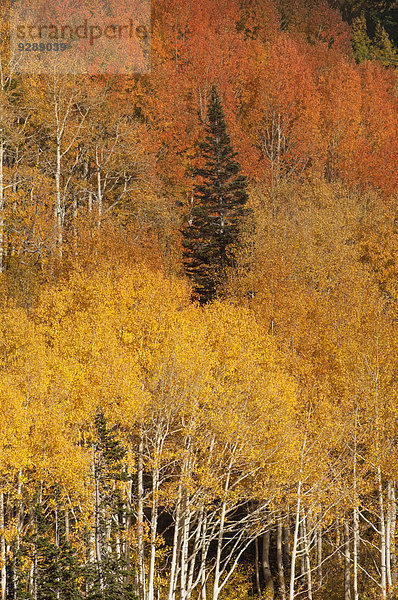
(347,561)
(355,552)
(154,525)
(319,555)
(383,567)
(1,202)
(3,549)
(295,542)
(99,188)
(393,525)
(97,499)
(355,549)
(58,199)
(220,538)
(185,524)
(174,557)
(140,522)
(279,558)
(307,559)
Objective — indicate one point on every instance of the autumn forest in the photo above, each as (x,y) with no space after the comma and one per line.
(199,311)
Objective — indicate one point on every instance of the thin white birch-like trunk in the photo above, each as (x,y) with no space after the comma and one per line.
(3,549)
(355,552)
(388,535)
(67,525)
(129,506)
(140,521)
(154,523)
(355,549)
(390,532)
(1,202)
(203,557)
(185,523)
(319,555)
(307,559)
(192,561)
(99,188)
(34,564)
(383,567)
(75,232)
(217,568)
(279,559)
(301,551)
(393,557)
(174,557)
(295,542)
(58,196)
(97,499)
(20,513)
(347,561)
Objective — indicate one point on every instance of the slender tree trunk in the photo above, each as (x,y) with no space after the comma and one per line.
(154,524)
(217,570)
(347,561)
(98,547)
(75,232)
(99,188)
(257,568)
(355,552)
(203,559)
(302,552)
(295,543)
(388,534)
(268,581)
(355,549)
(319,555)
(196,548)
(220,538)
(67,525)
(58,199)
(393,525)
(34,574)
(20,517)
(1,202)
(174,558)
(184,546)
(383,568)
(140,522)
(307,559)
(279,558)
(286,544)
(338,543)
(3,553)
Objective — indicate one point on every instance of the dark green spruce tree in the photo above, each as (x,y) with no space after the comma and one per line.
(213,232)
(109,577)
(56,569)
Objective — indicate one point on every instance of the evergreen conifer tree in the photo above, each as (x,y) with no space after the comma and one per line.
(212,235)
(109,577)
(361,42)
(56,568)
(383,49)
